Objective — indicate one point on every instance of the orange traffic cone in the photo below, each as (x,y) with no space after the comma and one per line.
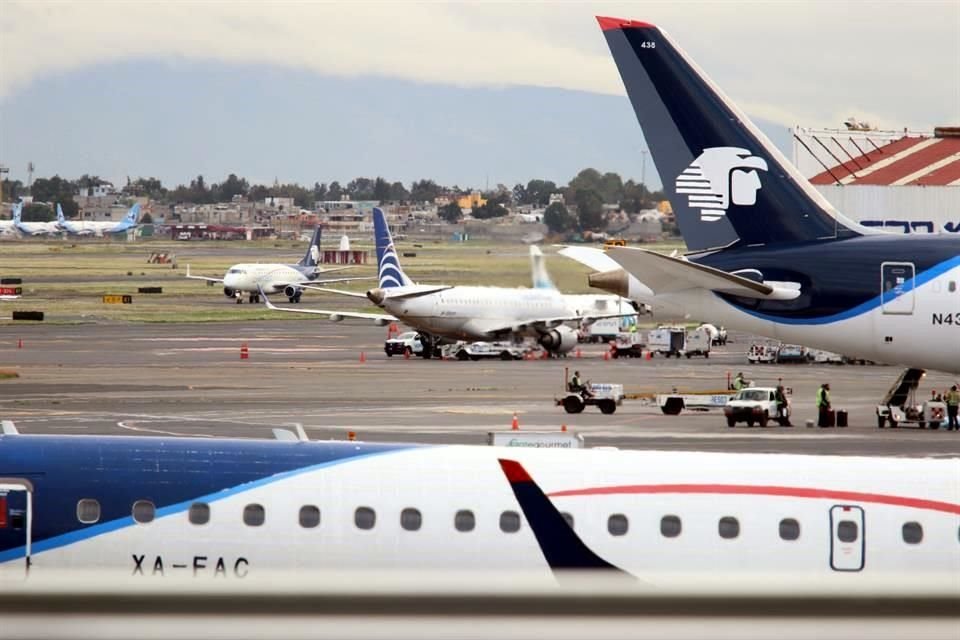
(563,428)
(19,343)
(579,353)
(515,424)
(363,357)
(244,351)
(351,435)
(606,355)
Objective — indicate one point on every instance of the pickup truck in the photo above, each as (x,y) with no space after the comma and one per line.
(756,405)
(407,343)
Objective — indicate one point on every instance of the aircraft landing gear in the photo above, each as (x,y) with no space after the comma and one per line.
(429,346)
(296,298)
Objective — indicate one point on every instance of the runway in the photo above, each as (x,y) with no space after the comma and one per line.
(188,379)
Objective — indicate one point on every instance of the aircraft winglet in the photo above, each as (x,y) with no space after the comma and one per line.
(606,24)
(561,546)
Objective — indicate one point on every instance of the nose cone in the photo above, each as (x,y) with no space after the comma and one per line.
(613,281)
(231,281)
(376,296)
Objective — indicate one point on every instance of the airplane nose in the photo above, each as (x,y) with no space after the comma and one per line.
(376,296)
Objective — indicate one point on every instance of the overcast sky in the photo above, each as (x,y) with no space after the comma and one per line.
(893,64)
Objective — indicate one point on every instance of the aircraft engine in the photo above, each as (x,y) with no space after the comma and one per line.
(291,291)
(559,340)
(227,291)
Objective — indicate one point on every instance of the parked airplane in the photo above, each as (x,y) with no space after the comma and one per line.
(98,228)
(442,312)
(9,227)
(33,228)
(291,279)
(770,255)
(151,507)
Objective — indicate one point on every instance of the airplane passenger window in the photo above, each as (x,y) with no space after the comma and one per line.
(464,520)
(670,526)
(567,518)
(509,522)
(789,529)
(365,518)
(411,519)
(309,516)
(254,515)
(88,511)
(728,527)
(143,511)
(952,286)
(617,524)
(912,532)
(847,531)
(199,513)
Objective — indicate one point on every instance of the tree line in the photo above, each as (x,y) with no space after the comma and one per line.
(581,210)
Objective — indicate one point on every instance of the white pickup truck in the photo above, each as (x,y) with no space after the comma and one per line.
(756,405)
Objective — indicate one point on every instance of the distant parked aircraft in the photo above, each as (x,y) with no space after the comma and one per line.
(98,228)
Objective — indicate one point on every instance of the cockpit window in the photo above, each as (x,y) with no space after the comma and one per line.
(236,271)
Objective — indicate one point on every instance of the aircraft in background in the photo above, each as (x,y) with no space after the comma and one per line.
(98,228)
(291,279)
(770,255)
(9,227)
(33,228)
(443,312)
(154,507)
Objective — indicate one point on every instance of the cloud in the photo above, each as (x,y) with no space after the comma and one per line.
(797,60)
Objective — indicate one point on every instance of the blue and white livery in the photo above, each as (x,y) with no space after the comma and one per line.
(96,227)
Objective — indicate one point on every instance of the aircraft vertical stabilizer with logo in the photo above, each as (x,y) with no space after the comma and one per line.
(62,219)
(727,183)
(16,213)
(131,218)
(538,270)
(312,257)
(389,272)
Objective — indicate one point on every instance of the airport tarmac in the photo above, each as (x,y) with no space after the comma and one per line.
(189,379)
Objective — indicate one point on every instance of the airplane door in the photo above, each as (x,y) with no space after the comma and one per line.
(896,287)
(847,538)
(16,517)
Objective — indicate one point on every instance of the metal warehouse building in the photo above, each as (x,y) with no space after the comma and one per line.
(905,181)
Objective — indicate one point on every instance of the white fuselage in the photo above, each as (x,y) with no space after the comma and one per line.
(272,278)
(920,329)
(660,516)
(469,313)
(38,228)
(93,227)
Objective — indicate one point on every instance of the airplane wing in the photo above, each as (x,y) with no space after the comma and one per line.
(335,316)
(666,274)
(303,285)
(596,259)
(201,277)
(352,294)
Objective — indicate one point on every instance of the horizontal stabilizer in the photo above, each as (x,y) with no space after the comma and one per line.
(665,274)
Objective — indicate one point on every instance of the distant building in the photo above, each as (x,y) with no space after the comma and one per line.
(473,200)
(556,197)
(276,202)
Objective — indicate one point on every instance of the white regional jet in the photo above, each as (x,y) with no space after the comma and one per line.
(256,278)
(442,312)
(98,227)
(33,228)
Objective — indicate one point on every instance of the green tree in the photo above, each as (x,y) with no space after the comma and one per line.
(450,213)
(559,219)
(381,190)
(361,189)
(146,218)
(54,189)
(35,212)
(398,192)
(258,193)
(13,190)
(232,186)
(70,208)
(490,210)
(519,194)
(335,191)
(589,210)
(319,191)
(538,192)
(424,191)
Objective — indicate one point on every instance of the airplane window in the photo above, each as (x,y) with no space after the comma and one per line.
(847,531)
(509,522)
(88,511)
(952,286)
(670,526)
(464,520)
(254,515)
(411,519)
(567,518)
(728,527)
(143,511)
(789,529)
(912,532)
(365,518)
(309,516)
(199,513)
(617,524)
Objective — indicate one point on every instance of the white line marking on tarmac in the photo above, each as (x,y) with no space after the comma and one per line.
(130,427)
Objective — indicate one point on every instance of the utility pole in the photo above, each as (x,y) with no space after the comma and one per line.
(3,171)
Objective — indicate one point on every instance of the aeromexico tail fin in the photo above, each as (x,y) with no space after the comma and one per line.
(561,546)
(726,181)
(388,264)
(538,270)
(312,257)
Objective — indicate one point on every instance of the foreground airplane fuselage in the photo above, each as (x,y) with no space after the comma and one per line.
(177,506)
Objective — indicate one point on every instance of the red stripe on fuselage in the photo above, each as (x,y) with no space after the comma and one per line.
(763,490)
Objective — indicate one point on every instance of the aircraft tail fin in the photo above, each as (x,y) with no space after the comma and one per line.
(60,217)
(17,212)
(312,257)
(133,214)
(538,270)
(561,546)
(389,271)
(726,181)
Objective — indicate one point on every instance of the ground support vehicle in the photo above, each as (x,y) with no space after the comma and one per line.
(669,341)
(900,406)
(406,344)
(484,350)
(606,397)
(627,345)
(756,405)
(672,404)
(697,343)
(792,354)
(762,353)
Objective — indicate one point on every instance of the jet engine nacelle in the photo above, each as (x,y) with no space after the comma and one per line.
(291,291)
(559,340)
(227,291)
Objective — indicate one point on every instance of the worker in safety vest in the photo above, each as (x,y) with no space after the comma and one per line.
(823,405)
(952,398)
(739,382)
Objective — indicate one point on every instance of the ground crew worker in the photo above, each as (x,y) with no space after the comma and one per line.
(781,397)
(739,382)
(823,405)
(952,399)
(576,385)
